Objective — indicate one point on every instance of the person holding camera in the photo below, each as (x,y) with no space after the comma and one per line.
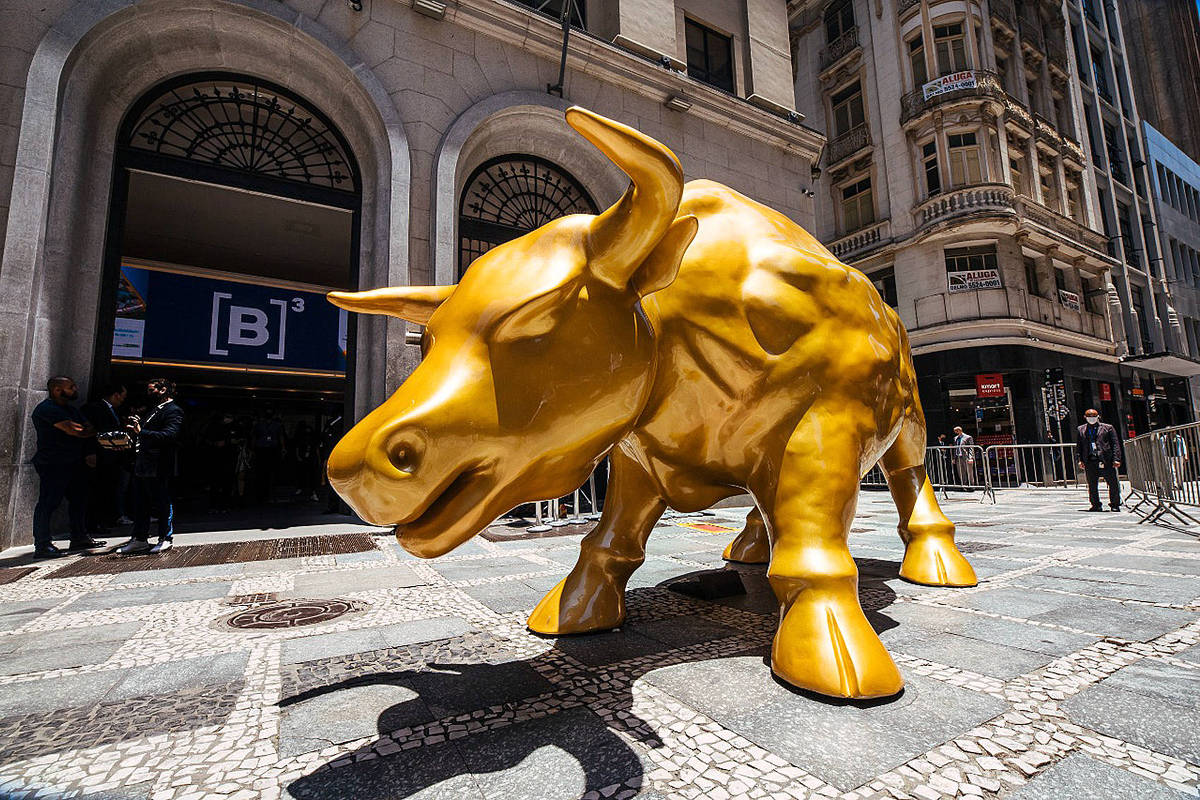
(157,439)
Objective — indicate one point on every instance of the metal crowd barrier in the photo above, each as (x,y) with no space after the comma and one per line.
(1164,474)
(556,516)
(1011,466)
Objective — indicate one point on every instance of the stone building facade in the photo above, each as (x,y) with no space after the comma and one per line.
(961,177)
(342,140)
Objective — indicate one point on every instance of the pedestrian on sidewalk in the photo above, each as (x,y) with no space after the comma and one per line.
(964,458)
(1098,450)
(108,472)
(62,432)
(154,467)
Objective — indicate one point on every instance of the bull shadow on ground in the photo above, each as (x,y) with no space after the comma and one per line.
(543,755)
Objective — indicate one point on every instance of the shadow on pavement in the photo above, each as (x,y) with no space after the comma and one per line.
(474,763)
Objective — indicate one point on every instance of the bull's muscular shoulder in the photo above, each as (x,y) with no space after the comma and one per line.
(788,284)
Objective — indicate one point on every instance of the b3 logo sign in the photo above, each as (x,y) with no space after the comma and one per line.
(236,325)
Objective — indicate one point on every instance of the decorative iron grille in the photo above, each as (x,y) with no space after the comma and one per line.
(510,196)
(245,125)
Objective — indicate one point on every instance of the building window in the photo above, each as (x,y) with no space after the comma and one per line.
(1002,71)
(933,178)
(1060,279)
(951,48)
(1101,76)
(1031,276)
(858,205)
(839,20)
(1016,176)
(553,8)
(1139,305)
(970,259)
(1127,241)
(709,55)
(1116,159)
(1090,121)
(1162,180)
(1031,93)
(964,159)
(848,111)
(510,196)
(885,284)
(916,57)
(1074,201)
(1049,196)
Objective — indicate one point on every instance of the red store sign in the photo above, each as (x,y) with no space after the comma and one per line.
(1106,391)
(990,385)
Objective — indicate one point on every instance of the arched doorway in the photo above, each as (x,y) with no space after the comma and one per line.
(510,196)
(235,207)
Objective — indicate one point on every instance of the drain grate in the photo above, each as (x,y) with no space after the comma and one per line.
(203,555)
(252,599)
(290,614)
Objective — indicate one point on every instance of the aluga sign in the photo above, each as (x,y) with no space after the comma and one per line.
(949,83)
(972,279)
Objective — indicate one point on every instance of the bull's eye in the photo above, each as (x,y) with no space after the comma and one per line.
(402,459)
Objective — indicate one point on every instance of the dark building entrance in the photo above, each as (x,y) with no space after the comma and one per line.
(235,207)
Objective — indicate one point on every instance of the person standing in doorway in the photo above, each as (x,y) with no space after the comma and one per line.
(62,432)
(108,477)
(1099,453)
(154,467)
(964,457)
(267,441)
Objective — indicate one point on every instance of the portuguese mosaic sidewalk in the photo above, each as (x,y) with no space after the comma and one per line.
(1071,671)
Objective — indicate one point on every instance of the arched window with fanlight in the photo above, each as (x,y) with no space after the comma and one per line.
(510,196)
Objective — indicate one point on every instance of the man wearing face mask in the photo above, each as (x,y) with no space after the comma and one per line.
(1099,453)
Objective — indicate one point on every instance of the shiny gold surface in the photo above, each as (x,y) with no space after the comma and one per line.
(713,346)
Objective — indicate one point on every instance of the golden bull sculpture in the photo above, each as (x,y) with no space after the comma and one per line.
(712,346)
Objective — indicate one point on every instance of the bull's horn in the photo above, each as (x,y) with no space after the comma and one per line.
(623,235)
(412,303)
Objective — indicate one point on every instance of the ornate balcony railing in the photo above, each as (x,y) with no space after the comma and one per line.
(1031,29)
(996,197)
(1056,54)
(1003,11)
(1072,150)
(1006,304)
(862,240)
(1045,131)
(982,83)
(1018,112)
(848,143)
(905,5)
(839,47)
(1064,226)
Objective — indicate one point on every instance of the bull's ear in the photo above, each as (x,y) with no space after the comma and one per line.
(415,304)
(659,269)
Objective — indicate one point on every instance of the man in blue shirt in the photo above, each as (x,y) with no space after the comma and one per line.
(61,430)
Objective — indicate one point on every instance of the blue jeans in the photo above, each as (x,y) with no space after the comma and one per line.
(55,482)
(153,497)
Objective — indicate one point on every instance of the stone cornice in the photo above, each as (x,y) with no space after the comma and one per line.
(543,36)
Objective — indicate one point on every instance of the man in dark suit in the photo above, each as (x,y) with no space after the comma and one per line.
(154,467)
(107,465)
(1098,450)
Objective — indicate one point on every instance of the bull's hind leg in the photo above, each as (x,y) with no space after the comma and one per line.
(592,596)
(930,556)
(752,545)
(824,642)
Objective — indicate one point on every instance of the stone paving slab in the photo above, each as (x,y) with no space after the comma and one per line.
(1071,671)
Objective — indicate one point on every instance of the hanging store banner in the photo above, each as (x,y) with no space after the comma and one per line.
(989,385)
(178,318)
(1106,391)
(971,280)
(949,83)
(1069,299)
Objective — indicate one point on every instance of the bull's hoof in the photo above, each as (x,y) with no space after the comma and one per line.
(825,645)
(584,608)
(933,560)
(750,547)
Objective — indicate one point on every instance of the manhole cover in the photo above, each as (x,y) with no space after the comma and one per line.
(290,614)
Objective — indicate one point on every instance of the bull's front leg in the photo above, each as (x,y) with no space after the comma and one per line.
(824,642)
(592,596)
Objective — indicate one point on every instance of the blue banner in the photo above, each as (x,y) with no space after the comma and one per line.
(173,317)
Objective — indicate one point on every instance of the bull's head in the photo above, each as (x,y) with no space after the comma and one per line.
(537,362)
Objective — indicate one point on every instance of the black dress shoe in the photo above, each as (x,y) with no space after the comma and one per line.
(1096,508)
(1115,508)
(87,544)
(49,551)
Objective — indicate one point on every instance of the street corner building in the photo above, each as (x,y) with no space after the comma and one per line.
(181,182)
(988,168)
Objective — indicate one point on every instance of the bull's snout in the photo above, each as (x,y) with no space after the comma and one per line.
(377,471)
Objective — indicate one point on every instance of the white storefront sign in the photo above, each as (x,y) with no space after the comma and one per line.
(971,280)
(1069,299)
(949,83)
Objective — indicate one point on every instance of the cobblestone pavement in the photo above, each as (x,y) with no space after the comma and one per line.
(1072,670)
